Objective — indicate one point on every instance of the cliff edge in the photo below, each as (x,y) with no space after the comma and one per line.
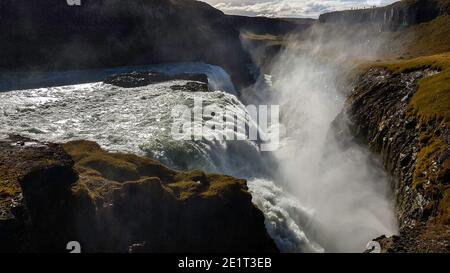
(401,109)
(51,194)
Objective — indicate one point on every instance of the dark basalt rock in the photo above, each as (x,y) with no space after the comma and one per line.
(35,180)
(51,194)
(191,87)
(377,114)
(51,35)
(137,79)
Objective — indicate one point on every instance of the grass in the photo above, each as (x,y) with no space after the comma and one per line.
(102,172)
(432,100)
(424,39)
(222,185)
(8,187)
(427,159)
(430,108)
(444,206)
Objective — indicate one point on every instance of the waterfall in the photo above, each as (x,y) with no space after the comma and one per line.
(218,78)
(307,202)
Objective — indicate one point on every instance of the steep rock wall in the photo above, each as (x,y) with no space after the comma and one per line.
(415,153)
(400,14)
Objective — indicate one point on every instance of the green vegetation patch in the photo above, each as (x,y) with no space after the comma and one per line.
(432,100)
(102,172)
(430,107)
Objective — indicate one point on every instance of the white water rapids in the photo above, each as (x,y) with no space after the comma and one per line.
(138,120)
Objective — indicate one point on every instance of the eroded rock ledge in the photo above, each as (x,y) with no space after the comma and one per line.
(197,82)
(415,151)
(51,194)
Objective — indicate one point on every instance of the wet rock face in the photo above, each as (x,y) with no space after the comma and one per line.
(137,79)
(377,109)
(51,194)
(377,114)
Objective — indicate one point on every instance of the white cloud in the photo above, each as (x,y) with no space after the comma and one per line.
(290,8)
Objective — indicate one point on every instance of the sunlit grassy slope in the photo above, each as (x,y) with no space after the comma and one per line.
(430,107)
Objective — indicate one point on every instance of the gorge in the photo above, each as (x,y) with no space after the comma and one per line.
(363,136)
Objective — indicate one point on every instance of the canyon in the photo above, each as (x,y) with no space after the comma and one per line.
(75,171)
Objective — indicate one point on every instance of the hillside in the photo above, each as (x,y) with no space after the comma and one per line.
(50,35)
(394,16)
(418,40)
(401,109)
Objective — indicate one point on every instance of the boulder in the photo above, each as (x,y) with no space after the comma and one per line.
(137,79)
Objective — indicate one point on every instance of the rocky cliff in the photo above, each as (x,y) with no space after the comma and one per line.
(401,110)
(400,14)
(51,194)
(51,35)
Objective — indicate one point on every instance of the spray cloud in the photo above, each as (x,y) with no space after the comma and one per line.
(341,195)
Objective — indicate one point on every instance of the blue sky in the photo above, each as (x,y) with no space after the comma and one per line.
(290,8)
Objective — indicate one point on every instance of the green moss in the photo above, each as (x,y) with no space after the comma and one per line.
(429,38)
(184,189)
(430,151)
(430,108)
(221,185)
(102,172)
(424,39)
(8,184)
(444,207)
(431,102)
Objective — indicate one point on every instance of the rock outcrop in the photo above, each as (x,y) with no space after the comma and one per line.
(51,194)
(400,14)
(137,79)
(385,111)
(51,35)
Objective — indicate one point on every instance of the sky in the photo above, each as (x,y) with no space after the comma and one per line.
(290,8)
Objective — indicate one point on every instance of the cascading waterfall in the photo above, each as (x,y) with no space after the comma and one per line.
(301,214)
(344,191)
(217,77)
(135,120)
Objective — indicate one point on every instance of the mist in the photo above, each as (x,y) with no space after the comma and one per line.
(342,190)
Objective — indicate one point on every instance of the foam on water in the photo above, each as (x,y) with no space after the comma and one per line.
(217,77)
(135,120)
(138,120)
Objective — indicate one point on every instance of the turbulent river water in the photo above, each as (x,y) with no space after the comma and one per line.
(138,120)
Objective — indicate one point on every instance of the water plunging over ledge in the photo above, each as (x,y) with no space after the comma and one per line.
(312,201)
(218,78)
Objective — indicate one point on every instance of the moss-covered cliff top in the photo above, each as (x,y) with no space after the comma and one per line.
(113,202)
(429,109)
(432,99)
(102,172)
